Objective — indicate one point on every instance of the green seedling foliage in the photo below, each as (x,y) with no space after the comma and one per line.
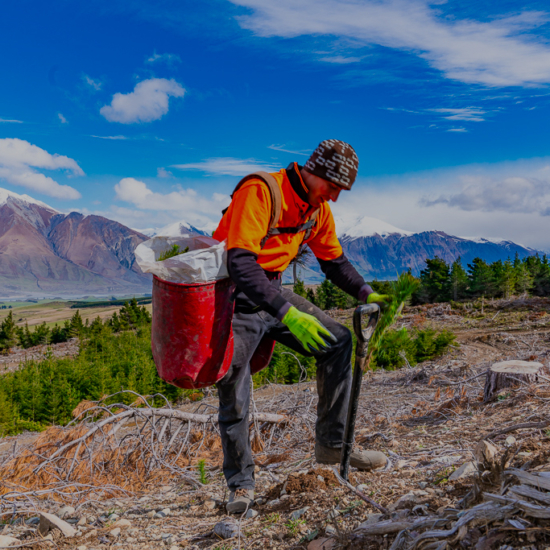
(401,292)
(174,250)
(399,346)
(201,465)
(293,525)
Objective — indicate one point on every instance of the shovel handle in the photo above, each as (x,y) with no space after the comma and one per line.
(363,336)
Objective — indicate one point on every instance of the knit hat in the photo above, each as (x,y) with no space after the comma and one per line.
(334,161)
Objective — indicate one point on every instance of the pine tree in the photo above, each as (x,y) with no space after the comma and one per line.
(8,332)
(76,326)
(541,277)
(458,281)
(434,282)
(480,278)
(299,288)
(524,279)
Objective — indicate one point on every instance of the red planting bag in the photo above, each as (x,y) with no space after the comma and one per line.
(192,338)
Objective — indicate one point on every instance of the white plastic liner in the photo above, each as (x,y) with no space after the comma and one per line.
(205,262)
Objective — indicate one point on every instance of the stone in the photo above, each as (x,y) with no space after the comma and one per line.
(325,543)
(210,504)
(297,514)
(251,514)
(83,547)
(485,452)
(81,521)
(466,470)
(90,534)
(510,440)
(226,529)
(115,532)
(48,522)
(33,521)
(151,514)
(330,530)
(159,515)
(274,502)
(6,541)
(113,517)
(422,484)
(66,512)
(166,511)
(123,523)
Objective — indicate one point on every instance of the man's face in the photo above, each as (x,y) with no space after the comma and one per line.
(319,190)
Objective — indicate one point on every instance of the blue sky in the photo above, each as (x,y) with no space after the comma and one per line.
(148,112)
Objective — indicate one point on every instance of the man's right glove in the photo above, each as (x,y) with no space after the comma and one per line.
(308,330)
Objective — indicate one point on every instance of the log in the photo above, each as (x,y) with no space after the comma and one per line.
(508,374)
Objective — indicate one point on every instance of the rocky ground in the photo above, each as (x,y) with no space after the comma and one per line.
(462,473)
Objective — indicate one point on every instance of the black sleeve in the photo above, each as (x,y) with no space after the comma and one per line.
(251,279)
(342,273)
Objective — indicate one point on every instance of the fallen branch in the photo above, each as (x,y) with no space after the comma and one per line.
(536,425)
(362,496)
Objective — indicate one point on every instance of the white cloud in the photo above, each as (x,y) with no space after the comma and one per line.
(460,130)
(470,114)
(168,58)
(510,194)
(183,204)
(340,59)
(281,148)
(62,119)
(18,158)
(227,166)
(497,52)
(10,120)
(163,173)
(116,138)
(148,101)
(94,84)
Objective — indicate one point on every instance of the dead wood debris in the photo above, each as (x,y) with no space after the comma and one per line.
(429,420)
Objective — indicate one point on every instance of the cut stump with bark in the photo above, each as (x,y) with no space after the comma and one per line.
(508,374)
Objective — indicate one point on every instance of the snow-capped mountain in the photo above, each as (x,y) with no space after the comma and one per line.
(45,252)
(352,228)
(176,229)
(381,251)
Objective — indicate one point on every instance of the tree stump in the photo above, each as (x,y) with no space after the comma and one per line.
(508,374)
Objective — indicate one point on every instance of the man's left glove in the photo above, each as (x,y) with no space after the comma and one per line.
(383,300)
(308,330)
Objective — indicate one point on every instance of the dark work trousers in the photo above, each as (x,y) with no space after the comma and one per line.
(333,386)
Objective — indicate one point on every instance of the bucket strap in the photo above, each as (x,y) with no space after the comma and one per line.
(276,207)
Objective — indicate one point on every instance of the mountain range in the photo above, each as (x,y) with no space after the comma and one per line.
(44,252)
(381,251)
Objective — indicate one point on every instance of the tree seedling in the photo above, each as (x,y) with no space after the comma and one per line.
(202,471)
(174,250)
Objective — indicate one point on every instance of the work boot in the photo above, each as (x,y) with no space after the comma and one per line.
(240,501)
(362,460)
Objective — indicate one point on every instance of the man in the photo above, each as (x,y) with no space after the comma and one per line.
(263,308)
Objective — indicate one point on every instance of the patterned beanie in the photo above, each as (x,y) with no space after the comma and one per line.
(334,161)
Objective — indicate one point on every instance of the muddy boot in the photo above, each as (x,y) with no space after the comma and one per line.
(240,501)
(362,460)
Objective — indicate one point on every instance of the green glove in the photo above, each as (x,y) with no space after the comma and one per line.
(383,300)
(308,330)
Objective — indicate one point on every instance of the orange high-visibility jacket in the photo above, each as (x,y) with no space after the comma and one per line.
(246,223)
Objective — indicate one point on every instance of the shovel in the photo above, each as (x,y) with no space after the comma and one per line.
(363,337)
